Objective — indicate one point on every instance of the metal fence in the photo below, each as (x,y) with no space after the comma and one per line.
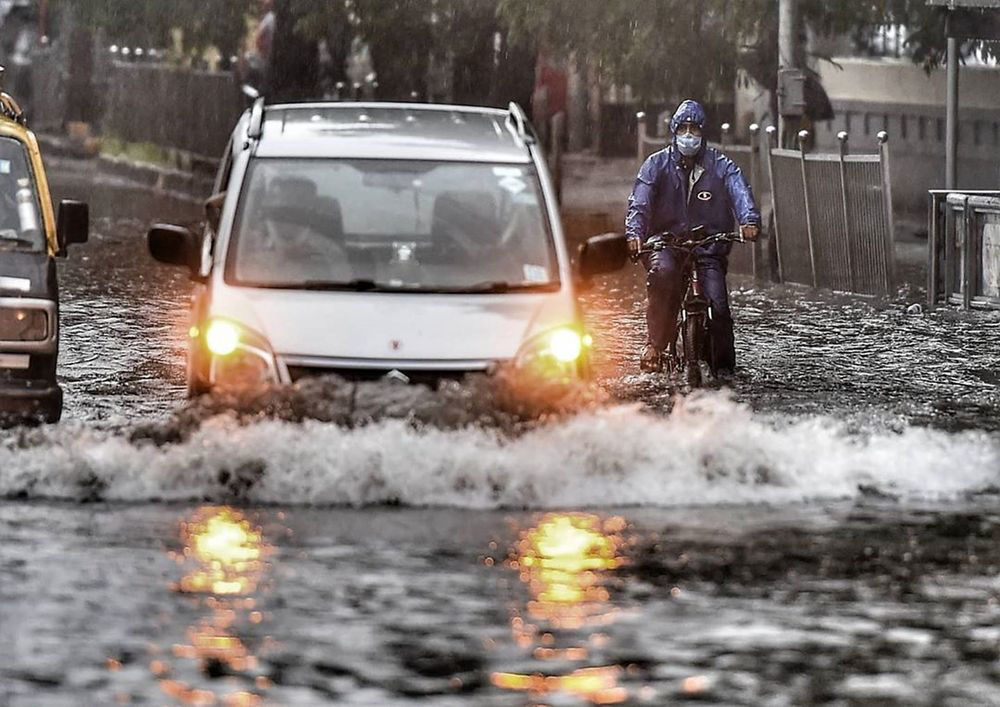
(964,248)
(190,111)
(833,217)
(748,258)
(193,111)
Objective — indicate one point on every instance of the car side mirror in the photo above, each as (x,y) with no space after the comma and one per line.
(602,254)
(213,210)
(175,245)
(72,224)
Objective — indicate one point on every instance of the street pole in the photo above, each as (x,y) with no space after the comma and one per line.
(787,50)
(951,123)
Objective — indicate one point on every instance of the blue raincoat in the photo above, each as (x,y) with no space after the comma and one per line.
(661,200)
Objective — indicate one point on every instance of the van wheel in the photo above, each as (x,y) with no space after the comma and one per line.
(52,413)
(196,385)
(195,388)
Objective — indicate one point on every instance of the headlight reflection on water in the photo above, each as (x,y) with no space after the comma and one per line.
(225,561)
(565,561)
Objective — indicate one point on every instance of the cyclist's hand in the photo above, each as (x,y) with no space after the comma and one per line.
(750,233)
(634,246)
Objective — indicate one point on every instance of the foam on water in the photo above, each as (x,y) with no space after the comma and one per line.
(709,450)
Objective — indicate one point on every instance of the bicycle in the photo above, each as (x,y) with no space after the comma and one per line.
(694,340)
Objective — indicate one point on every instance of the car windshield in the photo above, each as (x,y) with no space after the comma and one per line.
(20,224)
(391,225)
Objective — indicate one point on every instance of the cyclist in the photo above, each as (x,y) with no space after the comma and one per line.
(681,187)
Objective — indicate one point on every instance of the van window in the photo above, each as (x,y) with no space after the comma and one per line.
(392,224)
(21,226)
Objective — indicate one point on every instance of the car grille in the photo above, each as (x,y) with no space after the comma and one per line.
(23,324)
(425,377)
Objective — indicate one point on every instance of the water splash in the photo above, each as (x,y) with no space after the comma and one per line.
(710,450)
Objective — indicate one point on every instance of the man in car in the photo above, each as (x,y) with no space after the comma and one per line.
(679,188)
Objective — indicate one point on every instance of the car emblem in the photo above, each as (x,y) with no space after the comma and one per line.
(396,344)
(704,196)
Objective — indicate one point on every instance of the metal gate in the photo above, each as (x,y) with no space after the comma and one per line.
(833,217)
(747,258)
(964,248)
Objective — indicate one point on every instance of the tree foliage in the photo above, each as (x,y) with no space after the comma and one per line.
(149,24)
(409,37)
(679,47)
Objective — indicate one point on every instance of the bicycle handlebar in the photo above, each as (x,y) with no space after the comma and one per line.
(690,243)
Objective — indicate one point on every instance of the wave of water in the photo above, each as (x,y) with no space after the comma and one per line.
(709,450)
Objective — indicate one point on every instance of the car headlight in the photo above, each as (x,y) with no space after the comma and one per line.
(560,352)
(240,356)
(222,337)
(23,324)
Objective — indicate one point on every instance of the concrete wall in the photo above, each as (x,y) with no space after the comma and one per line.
(900,82)
(870,95)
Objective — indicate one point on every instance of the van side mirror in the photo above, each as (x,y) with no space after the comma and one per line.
(213,210)
(175,245)
(602,254)
(72,224)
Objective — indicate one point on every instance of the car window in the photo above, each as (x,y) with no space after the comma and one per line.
(21,226)
(418,225)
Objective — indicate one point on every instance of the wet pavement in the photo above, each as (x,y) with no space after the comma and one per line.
(824,530)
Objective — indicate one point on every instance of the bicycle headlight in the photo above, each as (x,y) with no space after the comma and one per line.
(562,351)
(240,356)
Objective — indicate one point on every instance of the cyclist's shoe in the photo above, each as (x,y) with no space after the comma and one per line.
(651,360)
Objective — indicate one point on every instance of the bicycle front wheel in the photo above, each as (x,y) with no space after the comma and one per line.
(694,345)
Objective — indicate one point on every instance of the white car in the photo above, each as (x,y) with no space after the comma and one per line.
(368,239)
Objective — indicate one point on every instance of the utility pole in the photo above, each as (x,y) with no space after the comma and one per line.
(788,37)
(951,137)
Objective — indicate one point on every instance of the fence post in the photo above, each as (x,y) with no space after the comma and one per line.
(754,169)
(848,236)
(803,134)
(932,250)
(640,118)
(726,130)
(951,243)
(967,259)
(770,132)
(890,243)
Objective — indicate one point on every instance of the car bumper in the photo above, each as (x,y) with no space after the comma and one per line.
(29,401)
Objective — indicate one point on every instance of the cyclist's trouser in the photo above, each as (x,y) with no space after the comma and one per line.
(665,291)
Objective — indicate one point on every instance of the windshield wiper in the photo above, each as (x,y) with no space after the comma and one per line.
(357,285)
(501,287)
(369,285)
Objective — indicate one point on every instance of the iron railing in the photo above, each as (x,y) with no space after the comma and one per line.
(964,248)
(833,217)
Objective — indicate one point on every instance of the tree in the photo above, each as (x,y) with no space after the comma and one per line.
(148,24)
(674,48)
(408,38)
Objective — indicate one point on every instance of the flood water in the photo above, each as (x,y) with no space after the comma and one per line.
(825,530)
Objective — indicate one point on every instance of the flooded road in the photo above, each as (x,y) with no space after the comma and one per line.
(825,531)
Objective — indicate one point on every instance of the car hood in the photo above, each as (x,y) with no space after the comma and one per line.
(395,327)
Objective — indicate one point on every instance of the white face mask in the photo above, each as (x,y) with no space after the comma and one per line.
(688,144)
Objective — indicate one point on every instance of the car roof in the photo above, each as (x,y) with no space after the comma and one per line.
(418,131)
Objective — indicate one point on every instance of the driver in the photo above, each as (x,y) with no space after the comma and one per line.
(681,187)
(294,238)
